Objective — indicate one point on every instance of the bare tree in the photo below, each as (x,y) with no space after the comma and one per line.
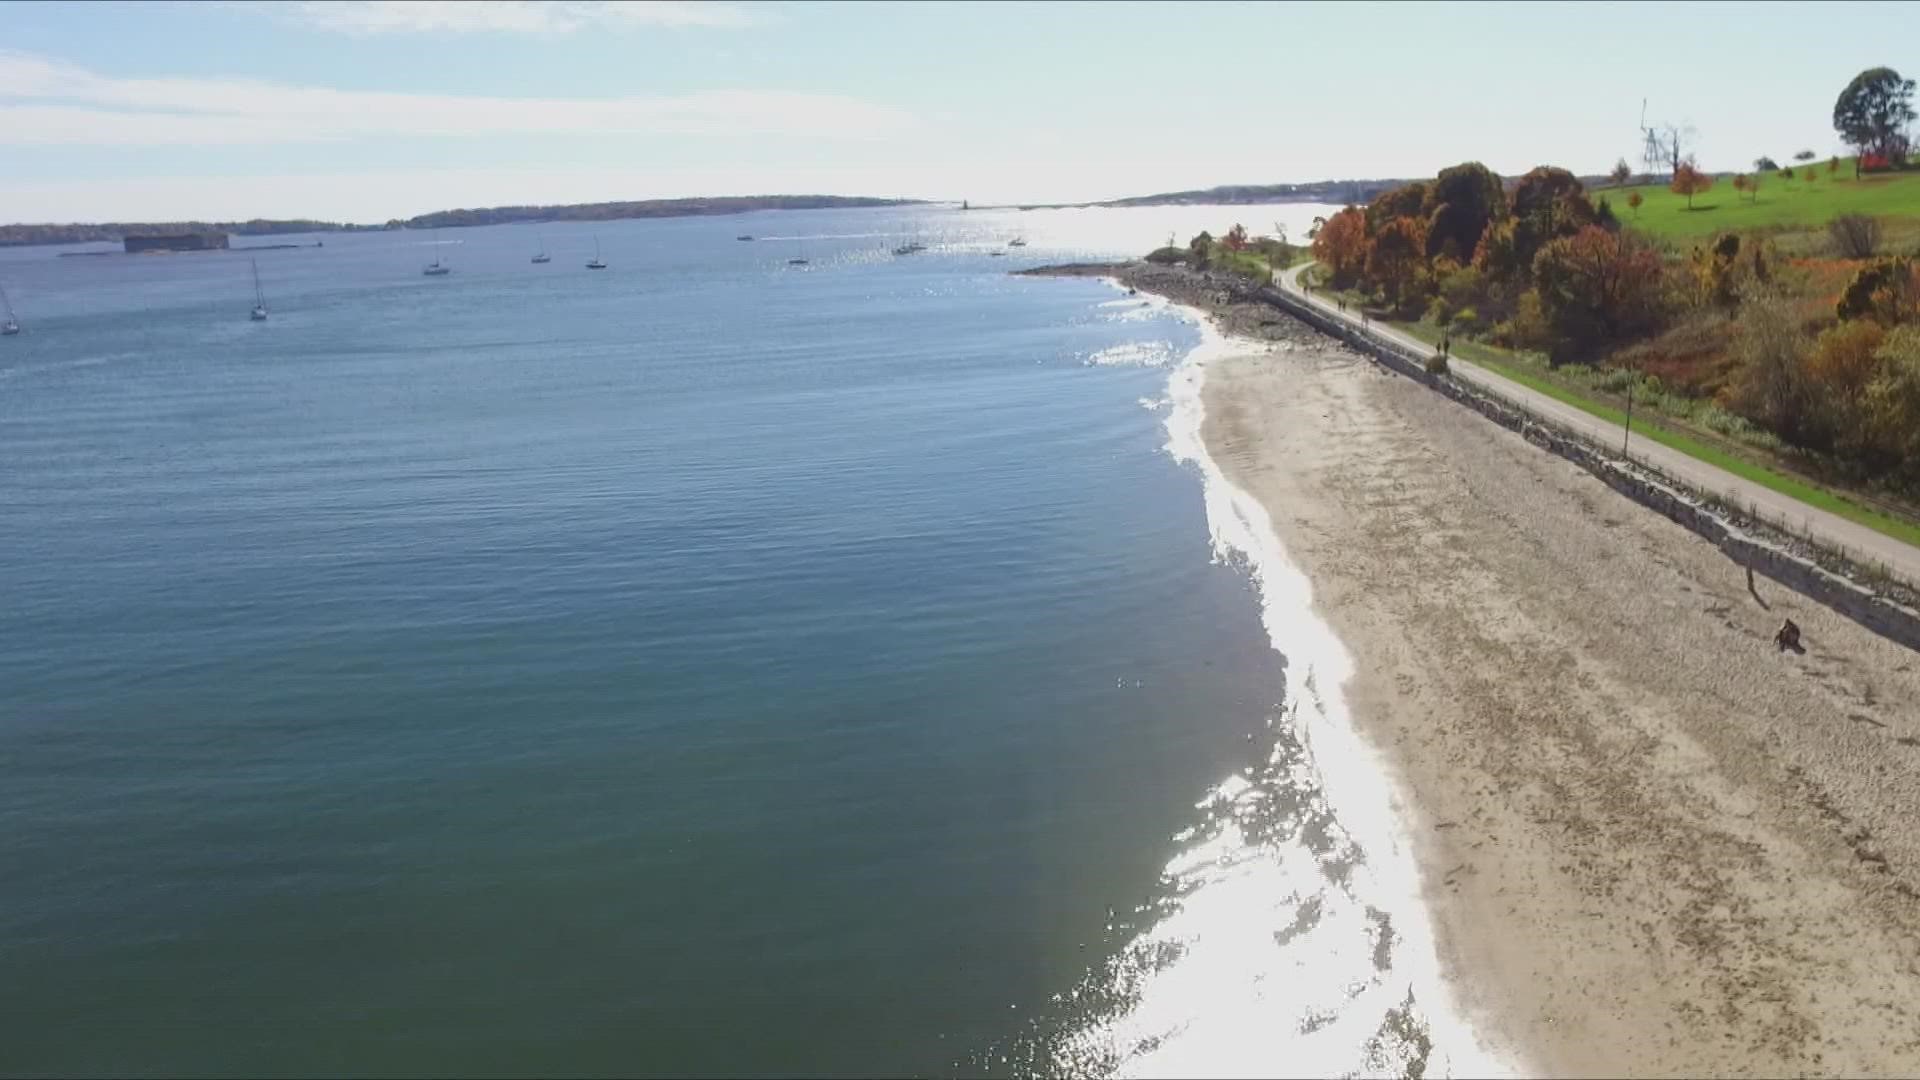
(1665,147)
(1676,144)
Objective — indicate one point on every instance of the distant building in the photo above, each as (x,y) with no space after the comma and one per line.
(201,241)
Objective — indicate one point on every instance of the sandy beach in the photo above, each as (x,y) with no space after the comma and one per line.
(1652,844)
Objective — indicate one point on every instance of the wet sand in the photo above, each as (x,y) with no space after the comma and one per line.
(1652,843)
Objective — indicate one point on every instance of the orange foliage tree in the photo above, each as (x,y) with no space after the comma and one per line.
(1398,255)
(1597,287)
(1236,238)
(1634,200)
(1689,181)
(1341,245)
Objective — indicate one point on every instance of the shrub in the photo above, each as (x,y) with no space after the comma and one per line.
(1887,291)
(1439,312)
(1855,236)
(1436,363)
(1841,365)
(1167,256)
(1771,386)
(1528,330)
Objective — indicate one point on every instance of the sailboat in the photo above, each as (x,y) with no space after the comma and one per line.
(1017,242)
(912,247)
(12,325)
(596,264)
(801,259)
(541,256)
(436,268)
(259,298)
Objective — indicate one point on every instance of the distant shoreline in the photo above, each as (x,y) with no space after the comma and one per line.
(48,235)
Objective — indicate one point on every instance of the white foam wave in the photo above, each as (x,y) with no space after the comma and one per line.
(1134,354)
(1271,961)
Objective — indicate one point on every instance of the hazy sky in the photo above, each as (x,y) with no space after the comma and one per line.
(365,111)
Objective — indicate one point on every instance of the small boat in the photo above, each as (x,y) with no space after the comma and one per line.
(1017,242)
(12,324)
(744,236)
(541,256)
(597,263)
(259,313)
(996,254)
(796,262)
(436,268)
(913,248)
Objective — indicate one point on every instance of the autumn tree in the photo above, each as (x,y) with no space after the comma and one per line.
(1461,202)
(1236,238)
(1739,183)
(1787,174)
(1622,172)
(1341,244)
(1547,203)
(1689,181)
(1872,115)
(1753,186)
(1396,258)
(1596,287)
(1409,201)
(1634,200)
(1833,165)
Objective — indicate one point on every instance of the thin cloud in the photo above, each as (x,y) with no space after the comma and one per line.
(45,102)
(512,16)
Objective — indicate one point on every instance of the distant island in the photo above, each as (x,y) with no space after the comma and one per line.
(115,232)
(1319,191)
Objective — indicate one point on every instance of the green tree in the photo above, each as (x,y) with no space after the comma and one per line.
(1763,163)
(1872,114)
(1461,202)
(1200,251)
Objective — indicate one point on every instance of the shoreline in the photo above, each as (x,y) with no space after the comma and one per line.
(1349,768)
(1647,841)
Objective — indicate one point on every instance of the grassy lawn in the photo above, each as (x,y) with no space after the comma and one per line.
(1800,204)
(1535,376)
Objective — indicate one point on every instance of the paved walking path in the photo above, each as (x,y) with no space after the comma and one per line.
(1858,541)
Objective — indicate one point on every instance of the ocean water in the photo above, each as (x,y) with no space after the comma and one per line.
(703,666)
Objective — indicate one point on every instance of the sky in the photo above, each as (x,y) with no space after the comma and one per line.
(365,110)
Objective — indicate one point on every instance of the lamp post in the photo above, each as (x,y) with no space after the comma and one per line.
(1629,433)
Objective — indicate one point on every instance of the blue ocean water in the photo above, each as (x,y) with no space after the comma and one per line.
(706,665)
